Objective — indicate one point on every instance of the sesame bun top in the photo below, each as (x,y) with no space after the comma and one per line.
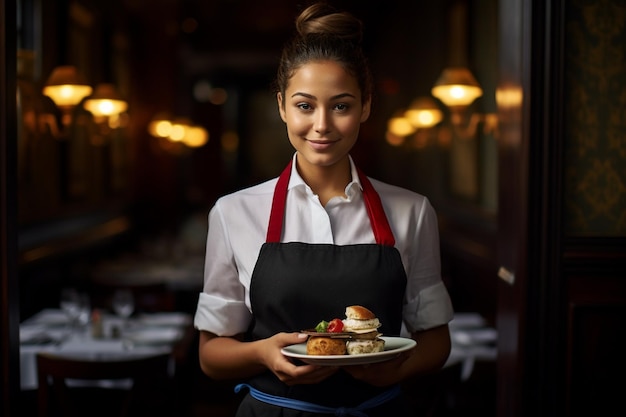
(359,313)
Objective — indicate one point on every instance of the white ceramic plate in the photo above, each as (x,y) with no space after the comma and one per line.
(393,347)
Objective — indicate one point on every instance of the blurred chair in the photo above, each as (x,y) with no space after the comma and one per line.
(149,393)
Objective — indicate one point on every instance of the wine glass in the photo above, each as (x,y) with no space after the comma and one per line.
(123,304)
(70,304)
(84,310)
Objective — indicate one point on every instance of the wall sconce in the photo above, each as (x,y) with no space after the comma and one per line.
(105,102)
(67,88)
(457,88)
(106,106)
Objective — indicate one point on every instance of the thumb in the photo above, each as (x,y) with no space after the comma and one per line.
(292,338)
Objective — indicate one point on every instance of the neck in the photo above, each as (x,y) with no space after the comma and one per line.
(326,181)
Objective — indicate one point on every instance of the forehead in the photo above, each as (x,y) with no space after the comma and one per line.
(323,76)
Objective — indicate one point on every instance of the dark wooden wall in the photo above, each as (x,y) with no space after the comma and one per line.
(562,213)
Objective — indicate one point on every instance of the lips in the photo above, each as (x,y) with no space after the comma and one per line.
(321,145)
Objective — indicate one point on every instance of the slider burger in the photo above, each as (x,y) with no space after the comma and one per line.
(364,325)
(356,334)
(332,343)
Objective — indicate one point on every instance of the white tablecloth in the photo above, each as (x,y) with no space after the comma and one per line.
(48,331)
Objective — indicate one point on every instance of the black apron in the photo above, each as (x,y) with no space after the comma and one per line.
(296,285)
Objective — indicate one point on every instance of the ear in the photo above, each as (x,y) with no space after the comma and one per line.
(281,106)
(365,111)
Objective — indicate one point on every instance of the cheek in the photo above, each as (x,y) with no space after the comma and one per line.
(297,122)
(349,125)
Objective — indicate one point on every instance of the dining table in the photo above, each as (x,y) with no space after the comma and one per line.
(473,340)
(105,337)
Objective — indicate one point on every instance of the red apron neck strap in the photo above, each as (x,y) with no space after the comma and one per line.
(378,219)
(275,227)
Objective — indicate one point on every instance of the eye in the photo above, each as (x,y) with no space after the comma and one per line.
(304,106)
(341,107)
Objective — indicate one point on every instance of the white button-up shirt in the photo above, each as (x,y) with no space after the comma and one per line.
(238,226)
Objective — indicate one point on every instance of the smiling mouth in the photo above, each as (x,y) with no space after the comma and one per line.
(321,144)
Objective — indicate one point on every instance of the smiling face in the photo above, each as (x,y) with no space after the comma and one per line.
(323,110)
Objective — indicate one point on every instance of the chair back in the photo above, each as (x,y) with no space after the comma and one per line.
(149,376)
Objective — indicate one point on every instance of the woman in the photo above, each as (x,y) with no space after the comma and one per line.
(285,254)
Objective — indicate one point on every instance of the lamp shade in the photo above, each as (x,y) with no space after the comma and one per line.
(105,101)
(423,113)
(66,87)
(456,87)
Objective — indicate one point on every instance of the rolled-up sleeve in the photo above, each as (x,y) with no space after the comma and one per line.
(432,307)
(222,308)
(221,317)
(428,303)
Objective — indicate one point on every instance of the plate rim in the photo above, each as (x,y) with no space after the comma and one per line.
(343,360)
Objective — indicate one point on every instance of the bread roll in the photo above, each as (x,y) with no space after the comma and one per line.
(325,346)
(360,319)
(359,313)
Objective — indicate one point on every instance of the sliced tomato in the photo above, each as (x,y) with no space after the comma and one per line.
(335,326)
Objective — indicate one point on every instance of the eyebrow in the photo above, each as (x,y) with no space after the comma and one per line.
(312,97)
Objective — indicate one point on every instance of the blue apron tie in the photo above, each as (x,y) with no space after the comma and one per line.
(316,408)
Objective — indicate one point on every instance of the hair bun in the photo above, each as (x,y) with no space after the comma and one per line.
(323,19)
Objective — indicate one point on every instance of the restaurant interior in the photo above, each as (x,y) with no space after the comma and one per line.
(490,108)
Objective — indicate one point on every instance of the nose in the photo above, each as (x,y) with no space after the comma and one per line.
(322,123)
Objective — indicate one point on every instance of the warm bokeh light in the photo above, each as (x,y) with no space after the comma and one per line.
(196,136)
(160,128)
(400,126)
(423,113)
(177,134)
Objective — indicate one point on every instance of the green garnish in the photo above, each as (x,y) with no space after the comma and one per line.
(321,326)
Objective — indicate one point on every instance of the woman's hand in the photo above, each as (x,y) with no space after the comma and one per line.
(232,358)
(284,369)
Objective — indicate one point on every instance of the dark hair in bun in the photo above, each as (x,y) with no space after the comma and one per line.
(324,34)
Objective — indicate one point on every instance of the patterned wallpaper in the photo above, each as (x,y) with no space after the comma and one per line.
(595,118)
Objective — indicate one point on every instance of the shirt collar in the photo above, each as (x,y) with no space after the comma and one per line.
(296,181)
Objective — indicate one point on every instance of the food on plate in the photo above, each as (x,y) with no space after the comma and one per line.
(355,335)
(364,325)
(335,326)
(318,345)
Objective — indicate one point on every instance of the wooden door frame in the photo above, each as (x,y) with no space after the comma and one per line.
(531,343)
(9,297)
